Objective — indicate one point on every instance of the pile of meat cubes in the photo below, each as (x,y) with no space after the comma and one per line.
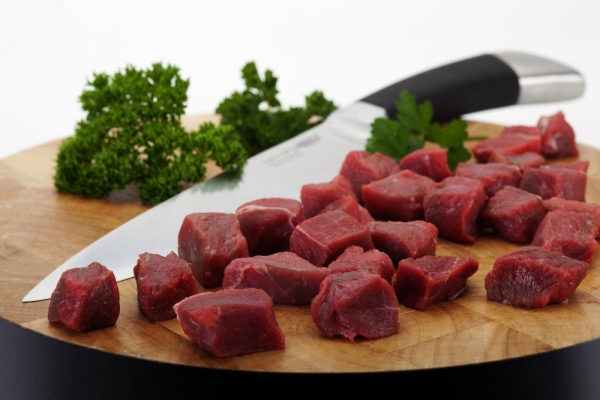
(356,246)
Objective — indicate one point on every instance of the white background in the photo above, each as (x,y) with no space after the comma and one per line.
(347,49)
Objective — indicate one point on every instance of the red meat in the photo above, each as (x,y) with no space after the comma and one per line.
(355,258)
(523,161)
(509,143)
(349,205)
(429,162)
(522,129)
(315,196)
(556,203)
(361,167)
(399,197)
(558,137)
(494,176)
(285,277)
(555,181)
(231,322)
(571,233)
(85,299)
(209,241)
(268,223)
(161,283)
(356,303)
(513,214)
(401,240)
(455,207)
(427,280)
(323,238)
(534,277)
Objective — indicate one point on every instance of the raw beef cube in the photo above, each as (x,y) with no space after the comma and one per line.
(356,303)
(550,181)
(510,143)
(494,176)
(315,196)
(361,167)
(398,197)
(558,137)
(522,129)
(430,162)
(556,203)
(455,207)
(513,214)
(268,223)
(85,299)
(427,280)
(533,277)
(401,240)
(209,241)
(286,277)
(523,160)
(349,205)
(571,233)
(323,238)
(581,166)
(161,283)
(355,258)
(231,322)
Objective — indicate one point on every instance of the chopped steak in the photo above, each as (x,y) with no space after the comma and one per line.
(355,258)
(509,143)
(429,162)
(522,129)
(315,196)
(494,176)
(349,205)
(558,136)
(361,167)
(401,240)
(556,203)
(555,181)
(523,160)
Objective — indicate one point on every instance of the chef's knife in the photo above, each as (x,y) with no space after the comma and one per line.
(478,83)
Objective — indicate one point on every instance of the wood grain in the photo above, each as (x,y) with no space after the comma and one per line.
(40,229)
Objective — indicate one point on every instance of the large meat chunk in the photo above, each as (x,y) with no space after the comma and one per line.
(161,283)
(356,303)
(399,197)
(534,277)
(355,258)
(571,233)
(509,143)
(558,137)
(420,283)
(323,238)
(513,214)
(494,176)
(523,160)
(209,241)
(85,299)
(429,162)
(361,167)
(286,277)
(315,196)
(349,205)
(556,203)
(455,207)
(401,240)
(555,181)
(231,322)
(268,223)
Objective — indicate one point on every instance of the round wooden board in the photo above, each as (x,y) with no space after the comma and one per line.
(40,229)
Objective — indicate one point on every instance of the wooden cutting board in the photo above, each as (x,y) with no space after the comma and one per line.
(40,229)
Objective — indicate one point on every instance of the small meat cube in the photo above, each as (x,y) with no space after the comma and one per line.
(349,205)
(509,143)
(286,277)
(355,258)
(571,233)
(427,280)
(581,166)
(209,241)
(401,240)
(429,162)
(513,214)
(556,203)
(85,299)
(161,283)
(268,223)
(494,176)
(455,207)
(356,303)
(558,137)
(399,197)
(555,181)
(323,238)
(231,322)
(522,129)
(315,196)
(534,277)
(361,167)
(523,161)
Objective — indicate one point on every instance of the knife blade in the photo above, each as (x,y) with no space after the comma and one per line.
(474,84)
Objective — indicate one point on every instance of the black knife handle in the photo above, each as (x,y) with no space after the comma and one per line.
(474,84)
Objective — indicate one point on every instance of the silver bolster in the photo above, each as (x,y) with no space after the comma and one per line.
(542,80)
